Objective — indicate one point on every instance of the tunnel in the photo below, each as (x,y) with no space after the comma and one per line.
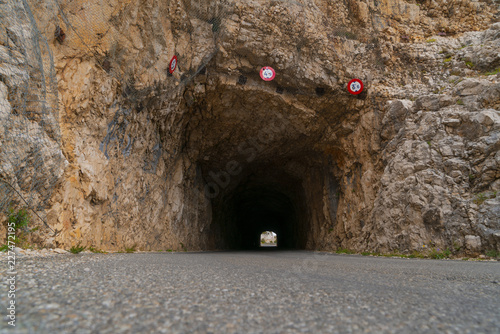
(264,197)
(263,162)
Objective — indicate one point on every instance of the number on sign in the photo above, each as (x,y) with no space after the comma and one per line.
(355,86)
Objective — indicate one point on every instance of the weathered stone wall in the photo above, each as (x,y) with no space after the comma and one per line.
(414,160)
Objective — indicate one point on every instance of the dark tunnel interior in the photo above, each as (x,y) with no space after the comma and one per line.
(264,198)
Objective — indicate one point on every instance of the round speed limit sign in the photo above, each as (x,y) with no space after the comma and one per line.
(172,65)
(267,73)
(355,86)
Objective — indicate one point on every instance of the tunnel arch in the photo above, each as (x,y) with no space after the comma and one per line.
(270,166)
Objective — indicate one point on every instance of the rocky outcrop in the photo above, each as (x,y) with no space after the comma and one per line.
(211,156)
(31,159)
(441,168)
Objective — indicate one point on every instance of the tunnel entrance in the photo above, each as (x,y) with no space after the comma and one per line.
(264,162)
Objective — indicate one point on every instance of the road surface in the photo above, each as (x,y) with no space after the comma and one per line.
(268,291)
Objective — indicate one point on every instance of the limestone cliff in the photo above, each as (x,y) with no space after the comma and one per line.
(210,156)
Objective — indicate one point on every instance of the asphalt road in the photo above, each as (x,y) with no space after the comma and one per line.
(252,292)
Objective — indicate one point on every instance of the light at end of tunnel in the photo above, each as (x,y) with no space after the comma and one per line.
(268,239)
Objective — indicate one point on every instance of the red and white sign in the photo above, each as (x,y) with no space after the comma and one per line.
(267,73)
(355,86)
(173,65)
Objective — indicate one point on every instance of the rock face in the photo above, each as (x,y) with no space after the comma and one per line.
(441,160)
(211,156)
(31,158)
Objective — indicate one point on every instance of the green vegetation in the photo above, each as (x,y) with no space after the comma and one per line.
(344,251)
(493,72)
(366,253)
(416,254)
(493,253)
(460,102)
(481,197)
(437,254)
(19,220)
(469,64)
(465,259)
(447,60)
(169,250)
(77,249)
(95,250)
(131,249)
(432,40)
